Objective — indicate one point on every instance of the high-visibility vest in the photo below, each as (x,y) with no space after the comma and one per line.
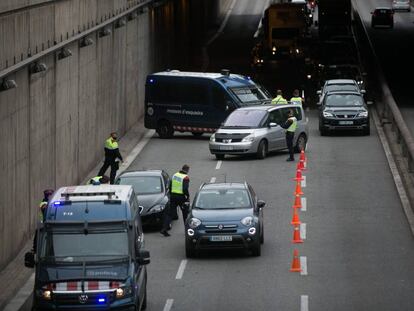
(278,100)
(177,183)
(293,126)
(42,205)
(111,145)
(95,181)
(296,100)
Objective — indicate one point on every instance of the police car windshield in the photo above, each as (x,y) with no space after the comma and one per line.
(341,100)
(245,119)
(249,95)
(142,184)
(74,247)
(223,199)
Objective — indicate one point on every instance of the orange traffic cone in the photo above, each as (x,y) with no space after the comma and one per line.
(298,190)
(298,202)
(296,235)
(295,218)
(295,262)
(302,156)
(298,175)
(301,165)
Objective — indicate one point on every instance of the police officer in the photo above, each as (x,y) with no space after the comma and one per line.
(111,154)
(98,180)
(179,196)
(296,99)
(290,125)
(42,212)
(279,99)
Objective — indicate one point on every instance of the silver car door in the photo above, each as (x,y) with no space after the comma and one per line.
(276,134)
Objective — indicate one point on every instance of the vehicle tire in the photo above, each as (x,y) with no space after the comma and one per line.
(257,249)
(300,143)
(190,252)
(164,129)
(366,131)
(197,134)
(262,150)
(144,303)
(262,236)
(220,156)
(323,131)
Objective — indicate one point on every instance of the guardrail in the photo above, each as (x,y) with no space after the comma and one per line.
(389,111)
(89,29)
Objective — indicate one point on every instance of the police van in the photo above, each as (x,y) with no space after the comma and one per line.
(90,251)
(196,102)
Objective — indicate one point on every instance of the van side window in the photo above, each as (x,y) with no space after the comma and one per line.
(220,98)
(196,93)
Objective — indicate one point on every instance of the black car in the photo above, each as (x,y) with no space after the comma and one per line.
(225,215)
(152,190)
(343,110)
(382,16)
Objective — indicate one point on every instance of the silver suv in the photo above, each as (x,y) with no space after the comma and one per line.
(256,130)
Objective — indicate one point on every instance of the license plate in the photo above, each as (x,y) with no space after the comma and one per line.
(226,147)
(346,122)
(221,238)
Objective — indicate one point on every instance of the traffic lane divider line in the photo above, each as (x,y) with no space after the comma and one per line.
(302,228)
(303,265)
(304,303)
(218,166)
(181,269)
(303,182)
(22,295)
(168,305)
(303,202)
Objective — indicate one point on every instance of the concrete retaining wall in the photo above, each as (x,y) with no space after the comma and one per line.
(54,123)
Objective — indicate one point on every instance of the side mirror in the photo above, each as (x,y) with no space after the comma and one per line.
(143,256)
(29,260)
(261,203)
(273,124)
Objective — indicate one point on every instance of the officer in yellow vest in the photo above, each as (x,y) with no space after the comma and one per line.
(98,180)
(279,99)
(290,125)
(111,154)
(179,195)
(296,99)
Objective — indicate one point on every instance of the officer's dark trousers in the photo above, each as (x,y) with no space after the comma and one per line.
(175,201)
(289,143)
(108,163)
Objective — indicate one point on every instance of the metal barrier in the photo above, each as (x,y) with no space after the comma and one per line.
(389,111)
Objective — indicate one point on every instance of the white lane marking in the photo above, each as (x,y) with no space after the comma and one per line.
(303,202)
(303,265)
(223,24)
(168,305)
(218,164)
(303,182)
(17,302)
(304,303)
(303,231)
(181,269)
(213,180)
(395,174)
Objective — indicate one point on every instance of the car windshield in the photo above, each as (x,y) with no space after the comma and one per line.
(222,199)
(248,95)
(341,87)
(343,100)
(245,118)
(69,247)
(143,184)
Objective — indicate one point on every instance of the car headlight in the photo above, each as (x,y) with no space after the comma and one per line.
(247,221)
(123,291)
(194,223)
(248,139)
(157,208)
(363,114)
(327,114)
(213,138)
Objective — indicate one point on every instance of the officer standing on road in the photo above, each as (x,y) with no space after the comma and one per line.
(99,180)
(179,197)
(279,99)
(111,154)
(42,212)
(296,99)
(290,126)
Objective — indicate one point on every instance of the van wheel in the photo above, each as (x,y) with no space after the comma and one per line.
(220,156)
(197,134)
(300,144)
(262,150)
(165,130)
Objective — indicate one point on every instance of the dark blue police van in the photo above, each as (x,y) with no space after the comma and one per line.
(90,252)
(196,102)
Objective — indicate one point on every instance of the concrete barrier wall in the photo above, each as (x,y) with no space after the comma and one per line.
(55,122)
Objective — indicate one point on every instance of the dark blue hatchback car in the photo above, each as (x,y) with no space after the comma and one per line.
(225,215)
